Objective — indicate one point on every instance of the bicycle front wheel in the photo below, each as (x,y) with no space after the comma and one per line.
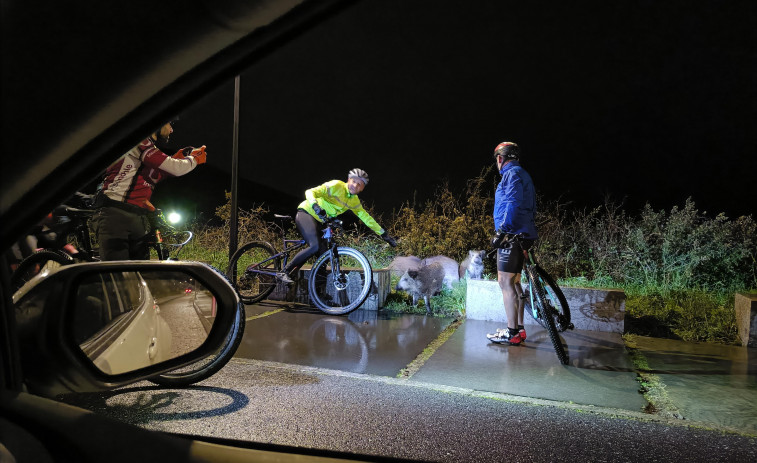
(557,304)
(545,314)
(252,271)
(208,366)
(339,292)
(44,260)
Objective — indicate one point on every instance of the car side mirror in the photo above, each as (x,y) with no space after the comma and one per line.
(127,320)
(96,326)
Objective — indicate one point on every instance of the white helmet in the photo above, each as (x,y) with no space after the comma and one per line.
(359,174)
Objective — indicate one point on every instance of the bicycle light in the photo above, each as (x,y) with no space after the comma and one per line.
(174,218)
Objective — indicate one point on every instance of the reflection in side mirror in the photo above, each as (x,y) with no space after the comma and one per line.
(128,320)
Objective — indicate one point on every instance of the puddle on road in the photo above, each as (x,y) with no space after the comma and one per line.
(706,382)
(669,356)
(363,341)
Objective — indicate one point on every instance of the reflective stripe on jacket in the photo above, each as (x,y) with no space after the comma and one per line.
(515,202)
(335,199)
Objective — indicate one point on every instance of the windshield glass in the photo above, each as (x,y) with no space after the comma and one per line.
(600,279)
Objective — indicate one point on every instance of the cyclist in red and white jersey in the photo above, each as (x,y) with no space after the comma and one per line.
(121,221)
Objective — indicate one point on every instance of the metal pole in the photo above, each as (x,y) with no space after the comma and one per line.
(234,219)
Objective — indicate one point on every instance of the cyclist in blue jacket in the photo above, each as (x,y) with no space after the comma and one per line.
(514,211)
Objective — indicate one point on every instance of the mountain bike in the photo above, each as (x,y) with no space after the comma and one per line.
(340,280)
(67,239)
(63,238)
(545,302)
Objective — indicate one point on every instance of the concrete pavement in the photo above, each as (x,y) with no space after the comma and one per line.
(703,383)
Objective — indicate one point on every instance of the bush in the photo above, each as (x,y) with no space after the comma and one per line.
(451,225)
(690,315)
(679,269)
(211,243)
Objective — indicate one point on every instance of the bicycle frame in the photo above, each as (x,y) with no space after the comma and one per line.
(529,263)
(79,229)
(289,247)
(294,245)
(84,240)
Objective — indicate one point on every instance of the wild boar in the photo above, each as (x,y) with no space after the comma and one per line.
(473,265)
(402,264)
(449,265)
(424,282)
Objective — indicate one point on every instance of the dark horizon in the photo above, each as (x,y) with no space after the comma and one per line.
(645,102)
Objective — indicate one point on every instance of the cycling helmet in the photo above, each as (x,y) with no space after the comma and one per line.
(359,174)
(508,150)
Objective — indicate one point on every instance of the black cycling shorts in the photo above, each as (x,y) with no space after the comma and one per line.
(510,259)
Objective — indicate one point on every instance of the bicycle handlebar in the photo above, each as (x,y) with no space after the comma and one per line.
(507,240)
(190,235)
(334,222)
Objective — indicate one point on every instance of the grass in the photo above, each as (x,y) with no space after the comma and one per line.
(688,314)
(449,303)
(650,385)
(197,252)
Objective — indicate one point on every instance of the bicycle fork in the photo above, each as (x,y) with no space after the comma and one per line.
(529,282)
(340,283)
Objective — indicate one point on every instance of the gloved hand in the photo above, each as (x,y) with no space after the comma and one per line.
(199,155)
(386,237)
(320,213)
(183,153)
(499,239)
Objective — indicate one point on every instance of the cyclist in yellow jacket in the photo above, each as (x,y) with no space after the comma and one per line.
(323,202)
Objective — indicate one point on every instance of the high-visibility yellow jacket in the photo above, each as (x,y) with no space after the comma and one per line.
(335,199)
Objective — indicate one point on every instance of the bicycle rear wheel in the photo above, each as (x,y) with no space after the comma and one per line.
(252,271)
(46,259)
(339,293)
(557,304)
(546,314)
(208,366)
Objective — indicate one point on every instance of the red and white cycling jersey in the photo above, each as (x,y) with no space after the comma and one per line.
(132,178)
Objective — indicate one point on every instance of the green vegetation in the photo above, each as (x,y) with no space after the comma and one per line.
(451,225)
(679,269)
(450,303)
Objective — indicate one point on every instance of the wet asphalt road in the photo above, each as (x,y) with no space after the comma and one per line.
(325,408)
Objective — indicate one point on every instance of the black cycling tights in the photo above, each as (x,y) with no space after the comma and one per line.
(312,231)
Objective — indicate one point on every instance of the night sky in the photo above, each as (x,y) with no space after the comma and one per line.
(646,101)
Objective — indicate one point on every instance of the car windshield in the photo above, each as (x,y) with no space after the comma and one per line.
(466,304)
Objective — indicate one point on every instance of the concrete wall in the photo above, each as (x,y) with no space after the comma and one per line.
(299,291)
(590,309)
(746,318)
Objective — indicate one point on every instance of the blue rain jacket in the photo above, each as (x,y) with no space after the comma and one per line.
(515,202)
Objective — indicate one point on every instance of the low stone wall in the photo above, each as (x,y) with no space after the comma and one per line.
(591,309)
(746,318)
(299,291)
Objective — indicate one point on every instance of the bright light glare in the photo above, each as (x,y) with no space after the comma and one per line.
(174,217)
